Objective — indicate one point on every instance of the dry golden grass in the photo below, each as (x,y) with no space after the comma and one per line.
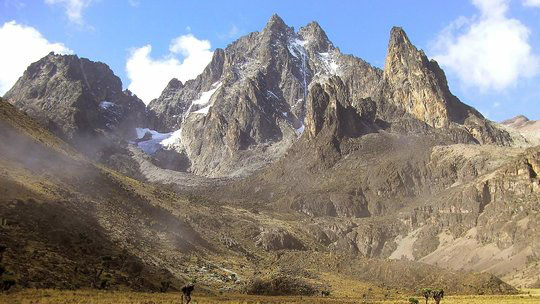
(106,297)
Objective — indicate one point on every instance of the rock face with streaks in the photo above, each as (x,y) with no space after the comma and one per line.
(418,85)
(258,95)
(77,98)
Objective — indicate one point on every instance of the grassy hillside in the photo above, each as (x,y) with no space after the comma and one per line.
(72,224)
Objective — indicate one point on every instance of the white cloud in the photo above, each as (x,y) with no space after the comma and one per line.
(73,8)
(149,76)
(489,51)
(533,3)
(26,45)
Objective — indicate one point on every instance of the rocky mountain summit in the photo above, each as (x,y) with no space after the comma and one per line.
(250,103)
(79,100)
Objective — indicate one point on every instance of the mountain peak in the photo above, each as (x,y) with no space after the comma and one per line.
(175,83)
(398,39)
(314,33)
(81,97)
(314,27)
(520,118)
(275,23)
(419,85)
(397,32)
(516,121)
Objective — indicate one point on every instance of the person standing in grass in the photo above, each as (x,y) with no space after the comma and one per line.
(186,293)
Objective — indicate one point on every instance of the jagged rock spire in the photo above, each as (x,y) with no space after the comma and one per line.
(415,83)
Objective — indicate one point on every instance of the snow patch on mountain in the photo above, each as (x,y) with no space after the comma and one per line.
(154,143)
(172,140)
(300,130)
(329,63)
(105,105)
(205,96)
(203,111)
(296,47)
(204,100)
(271,94)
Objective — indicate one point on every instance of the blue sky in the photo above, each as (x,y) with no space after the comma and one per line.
(490,49)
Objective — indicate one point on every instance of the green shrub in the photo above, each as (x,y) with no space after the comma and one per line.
(426,293)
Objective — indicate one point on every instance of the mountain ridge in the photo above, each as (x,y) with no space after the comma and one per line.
(276,68)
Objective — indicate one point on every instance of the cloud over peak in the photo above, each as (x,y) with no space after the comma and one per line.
(148,76)
(490,51)
(26,45)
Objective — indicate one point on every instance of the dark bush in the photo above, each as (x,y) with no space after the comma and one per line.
(103,284)
(280,285)
(7,284)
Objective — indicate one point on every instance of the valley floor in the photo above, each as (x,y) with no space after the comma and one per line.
(104,297)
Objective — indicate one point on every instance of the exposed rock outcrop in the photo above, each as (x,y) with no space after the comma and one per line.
(251,102)
(419,85)
(277,239)
(76,98)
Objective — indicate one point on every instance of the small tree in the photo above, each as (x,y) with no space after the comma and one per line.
(438,294)
(413,300)
(426,293)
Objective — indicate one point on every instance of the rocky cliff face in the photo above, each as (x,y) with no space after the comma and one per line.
(76,98)
(254,101)
(407,198)
(250,103)
(418,85)
(330,110)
